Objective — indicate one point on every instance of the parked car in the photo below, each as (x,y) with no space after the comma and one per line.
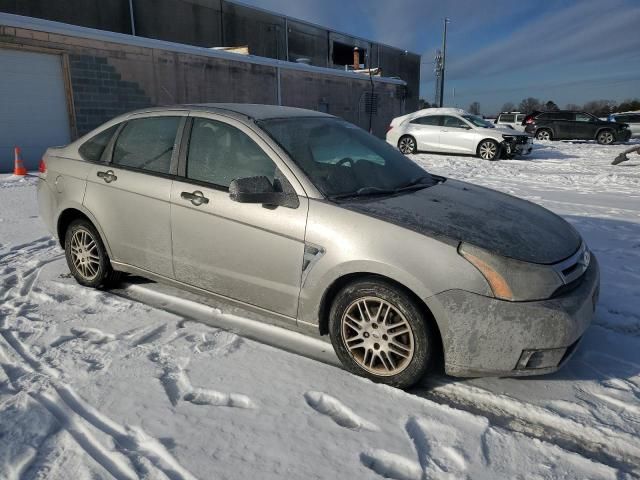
(510,119)
(452,130)
(324,228)
(570,125)
(630,118)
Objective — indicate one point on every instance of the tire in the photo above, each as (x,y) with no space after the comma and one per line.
(407,144)
(403,353)
(605,137)
(544,134)
(86,256)
(488,150)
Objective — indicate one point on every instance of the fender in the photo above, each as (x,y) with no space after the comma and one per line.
(67,205)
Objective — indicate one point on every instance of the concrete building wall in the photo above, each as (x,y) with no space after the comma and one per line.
(211,23)
(107,78)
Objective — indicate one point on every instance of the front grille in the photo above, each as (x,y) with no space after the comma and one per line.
(568,287)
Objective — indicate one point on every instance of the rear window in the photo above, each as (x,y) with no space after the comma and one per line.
(556,116)
(428,120)
(509,118)
(147,144)
(93,149)
(627,118)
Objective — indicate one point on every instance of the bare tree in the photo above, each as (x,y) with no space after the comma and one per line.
(572,106)
(508,107)
(551,106)
(474,108)
(530,104)
(600,108)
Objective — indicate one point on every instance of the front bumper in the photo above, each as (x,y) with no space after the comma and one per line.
(624,135)
(484,336)
(513,149)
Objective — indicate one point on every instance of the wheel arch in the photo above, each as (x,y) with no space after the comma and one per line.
(340,282)
(484,139)
(71,213)
(606,127)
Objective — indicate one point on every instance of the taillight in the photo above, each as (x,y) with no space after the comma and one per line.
(529,120)
(42,168)
(389,128)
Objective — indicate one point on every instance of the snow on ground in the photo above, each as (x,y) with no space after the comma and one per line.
(98,385)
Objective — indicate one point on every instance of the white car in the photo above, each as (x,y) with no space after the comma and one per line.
(630,118)
(453,130)
(511,119)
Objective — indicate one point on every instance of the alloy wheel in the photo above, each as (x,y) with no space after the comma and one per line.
(488,150)
(543,135)
(377,336)
(85,254)
(407,145)
(605,138)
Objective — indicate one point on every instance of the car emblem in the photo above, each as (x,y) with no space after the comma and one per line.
(586,259)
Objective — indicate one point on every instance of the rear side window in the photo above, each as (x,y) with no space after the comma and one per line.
(147,144)
(219,153)
(519,118)
(428,120)
(93,149)
(508,118)
(556,116)
(454,122)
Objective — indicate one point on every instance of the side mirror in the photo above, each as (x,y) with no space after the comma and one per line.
(260,190)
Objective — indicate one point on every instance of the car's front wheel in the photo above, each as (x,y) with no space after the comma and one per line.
(378,331)
(86,256)
(606,137)
(489,150)
(407,144)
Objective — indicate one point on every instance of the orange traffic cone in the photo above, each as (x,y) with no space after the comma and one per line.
(18,166)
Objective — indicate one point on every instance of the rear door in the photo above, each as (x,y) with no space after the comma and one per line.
(562,124)
(130,194)
(247,252)
(457,136)
(584,126)
(426,131)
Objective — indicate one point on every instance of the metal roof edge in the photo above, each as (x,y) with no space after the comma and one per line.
(49,26)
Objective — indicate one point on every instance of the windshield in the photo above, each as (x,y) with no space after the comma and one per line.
(478,121)
(342,159)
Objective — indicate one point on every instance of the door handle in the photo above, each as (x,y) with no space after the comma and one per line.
(197,197)
(107,176)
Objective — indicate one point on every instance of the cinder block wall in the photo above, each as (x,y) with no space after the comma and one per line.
(106,79)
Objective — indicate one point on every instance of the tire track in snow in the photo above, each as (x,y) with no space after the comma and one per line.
(600,443)
(42,383)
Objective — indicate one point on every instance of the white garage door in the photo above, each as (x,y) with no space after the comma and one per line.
(33,108)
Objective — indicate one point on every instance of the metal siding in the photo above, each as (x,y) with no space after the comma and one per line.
(34,112)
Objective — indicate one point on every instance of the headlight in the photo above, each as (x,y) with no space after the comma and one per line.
(510,279)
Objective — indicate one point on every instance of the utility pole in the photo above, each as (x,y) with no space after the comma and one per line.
(444,54)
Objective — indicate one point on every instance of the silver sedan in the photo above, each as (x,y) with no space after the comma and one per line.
(318,225)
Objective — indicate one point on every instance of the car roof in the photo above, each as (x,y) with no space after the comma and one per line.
(252,111)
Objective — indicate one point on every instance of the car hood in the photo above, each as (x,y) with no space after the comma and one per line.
(488,219)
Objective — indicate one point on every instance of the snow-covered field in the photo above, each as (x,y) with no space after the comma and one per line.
(99,385)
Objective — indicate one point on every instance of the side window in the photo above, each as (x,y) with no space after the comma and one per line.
(453,122)
(519,118)
(433,120)
(147,144)
(219,153)
(92,149)
(509,118)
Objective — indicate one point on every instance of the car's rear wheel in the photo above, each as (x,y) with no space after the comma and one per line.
(544,134)
(86,256)
(407,144)
(378,331)
(605,137)
(489,150)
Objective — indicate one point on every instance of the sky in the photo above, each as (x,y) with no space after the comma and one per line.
(499,50)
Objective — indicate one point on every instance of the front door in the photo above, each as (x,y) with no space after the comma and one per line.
(457,136)
(247,252)
(130,196)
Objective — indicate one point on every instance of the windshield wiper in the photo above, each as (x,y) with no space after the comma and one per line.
(415,184)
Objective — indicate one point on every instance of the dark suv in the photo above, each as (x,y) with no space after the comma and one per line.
(569,125)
